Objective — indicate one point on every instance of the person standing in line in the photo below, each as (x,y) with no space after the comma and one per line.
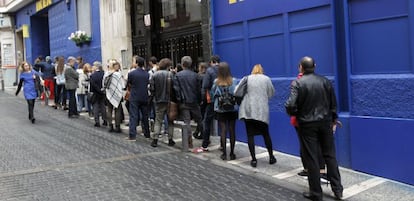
(96,87)
(225,107)
(187,89)
(294,123)
(61,94)
(208,80)
(254,110)
(28,79)
(312,100)
(71,84)
(153,65)
(198,133)
(82,87)
(162,90)
(138,81)
(114,95)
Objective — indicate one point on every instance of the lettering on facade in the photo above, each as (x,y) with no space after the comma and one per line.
(234,1)
(40,4)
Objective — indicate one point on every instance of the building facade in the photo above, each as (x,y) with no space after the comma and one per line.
(365,47)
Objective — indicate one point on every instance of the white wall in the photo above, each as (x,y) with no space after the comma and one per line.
(116,31)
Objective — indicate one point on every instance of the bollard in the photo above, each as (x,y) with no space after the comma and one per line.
(1,78)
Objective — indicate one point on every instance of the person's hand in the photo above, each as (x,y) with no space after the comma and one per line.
(336,123)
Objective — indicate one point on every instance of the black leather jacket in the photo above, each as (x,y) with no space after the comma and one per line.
(312,99)
(159,86)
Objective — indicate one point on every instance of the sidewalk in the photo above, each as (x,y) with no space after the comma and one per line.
(357,186)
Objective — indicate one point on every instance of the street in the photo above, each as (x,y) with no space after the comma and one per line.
(58,158)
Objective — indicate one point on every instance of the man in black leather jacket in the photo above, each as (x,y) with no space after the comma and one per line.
(312,100)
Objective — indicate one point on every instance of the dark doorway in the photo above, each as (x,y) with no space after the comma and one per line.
(40,35)
(175,29)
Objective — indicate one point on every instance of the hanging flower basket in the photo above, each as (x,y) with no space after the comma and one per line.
(80,38)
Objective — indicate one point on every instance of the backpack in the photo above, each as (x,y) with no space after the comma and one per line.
(60,79)
(107,81)
(226,99)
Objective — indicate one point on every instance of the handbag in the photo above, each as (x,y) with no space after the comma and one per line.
(241,90)
(60,79)
(172,110)
(91,97)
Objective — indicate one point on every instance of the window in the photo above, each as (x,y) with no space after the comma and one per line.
(83,8)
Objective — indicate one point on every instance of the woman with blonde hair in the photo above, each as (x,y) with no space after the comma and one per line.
(30,80)
(254,109)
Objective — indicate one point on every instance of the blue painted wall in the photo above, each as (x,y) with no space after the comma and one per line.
(364,47)
(60,23)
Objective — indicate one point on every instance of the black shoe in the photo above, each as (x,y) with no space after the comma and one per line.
(223,157)
(272,160)
(154,143)
(338,195)
(146,135)
(232,156)
(253,163)
(197,135)
(118,129)
(105,123)
(309,196)
(303,173)
(111,129)
(73,116)
(97,125)
(33,120)
(171,142)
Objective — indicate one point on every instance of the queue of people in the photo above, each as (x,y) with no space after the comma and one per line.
(211,94)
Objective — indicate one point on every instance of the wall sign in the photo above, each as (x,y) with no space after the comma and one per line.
(40,4)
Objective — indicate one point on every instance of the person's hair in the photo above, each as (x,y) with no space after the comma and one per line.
(215,59)
(98,65)
(111,63)
(86,68)
(186,61)
(178,67)
(116,64)
(202,66)
(140,61)
(60,65)
(164,64)
(224,77)
(153,60)
(257,69)
(80,59)
(40,57)
(308,64)
(22,66)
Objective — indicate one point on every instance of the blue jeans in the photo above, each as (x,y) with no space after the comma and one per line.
(82,102)
(135,108)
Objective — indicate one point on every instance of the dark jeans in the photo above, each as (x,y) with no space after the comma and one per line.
(315,135)
(135,108)
(208,119)
(60,95)
(118,114)
(320,157)
(99,108)
(30,104)
(189,111)
(73,110)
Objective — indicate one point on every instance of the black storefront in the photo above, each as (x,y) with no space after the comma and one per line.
(171,28)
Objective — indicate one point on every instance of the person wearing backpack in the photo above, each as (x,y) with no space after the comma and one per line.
(225,107)
(254,110)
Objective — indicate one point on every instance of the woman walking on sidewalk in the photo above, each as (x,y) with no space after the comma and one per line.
(30,80)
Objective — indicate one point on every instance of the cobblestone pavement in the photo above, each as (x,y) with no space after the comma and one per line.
(58,158)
